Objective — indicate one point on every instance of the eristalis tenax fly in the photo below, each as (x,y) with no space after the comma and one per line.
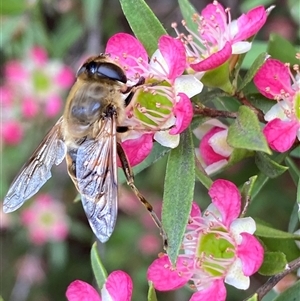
(87,135)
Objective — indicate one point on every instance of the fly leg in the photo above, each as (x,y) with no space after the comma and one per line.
(130,181)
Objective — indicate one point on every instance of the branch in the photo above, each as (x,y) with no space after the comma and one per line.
(259,113)
(264,289)
(204,111)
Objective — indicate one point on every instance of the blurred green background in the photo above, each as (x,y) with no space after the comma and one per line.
(70,30)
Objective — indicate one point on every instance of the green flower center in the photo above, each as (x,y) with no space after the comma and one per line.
(41,81)
(153,109)
(215,252)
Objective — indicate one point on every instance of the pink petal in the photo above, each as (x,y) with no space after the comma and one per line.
(29,107)
(119,286)
(12,132)
(226,197)
(250,23)
(123,44)
(81,291)
(6,96)
(53,106)
(195,214)
(173,52)
(214,60)
(251,253)
(273,78)
(65,78)
(183,110)
(195,211)
(138,149)
(207,153)
(15,72)
(164,277)
(281,134)
(39,55)
(215,292)
(216,13)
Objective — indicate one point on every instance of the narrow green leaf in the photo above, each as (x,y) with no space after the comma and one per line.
(178,192)
(99,271)
(157,152)
(282,49)
(294,218)
(239,154)
(203,178)
(293,169)
(246,192)
(151,292)
(257,48)
(274,262)
(298,198)
(291,294)
(245,132)
(143,23)
(253,298)
(253,70)
(266,231)
(188,10)
(268,166)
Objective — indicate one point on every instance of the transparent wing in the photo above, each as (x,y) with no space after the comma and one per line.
(35,173)
(96,173)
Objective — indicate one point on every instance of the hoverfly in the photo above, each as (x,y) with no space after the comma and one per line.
(88,136)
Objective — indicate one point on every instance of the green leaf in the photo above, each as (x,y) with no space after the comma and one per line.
(98,269)
(151,292)
(291,294)
(246,192)
(157,152)
(274,262)
(245,132)
(13,7)
(282,49)
(203,178)
(143,23)
(298,198)
(260,102)
(293,169)
(266,231)
(178,192)
(253,298)
(238,154)
(294,219)
(188,10)
(253,70)
(268,166)
(257,48)
(218,78)
(60,41)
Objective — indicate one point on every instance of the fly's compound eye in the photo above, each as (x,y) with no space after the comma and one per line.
(111,71)
(103,70)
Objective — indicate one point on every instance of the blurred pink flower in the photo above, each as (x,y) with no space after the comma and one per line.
(218,247)
(33,85)
(12,132)
(45,220)
(275,81)
(149,244)
(118,287)
(30,269)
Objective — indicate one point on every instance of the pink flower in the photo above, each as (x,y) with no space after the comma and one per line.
(45,220)
(273,80)
(218,247)
(171,107)
(118,287)
(214,151)
(219,36)
(12,132)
